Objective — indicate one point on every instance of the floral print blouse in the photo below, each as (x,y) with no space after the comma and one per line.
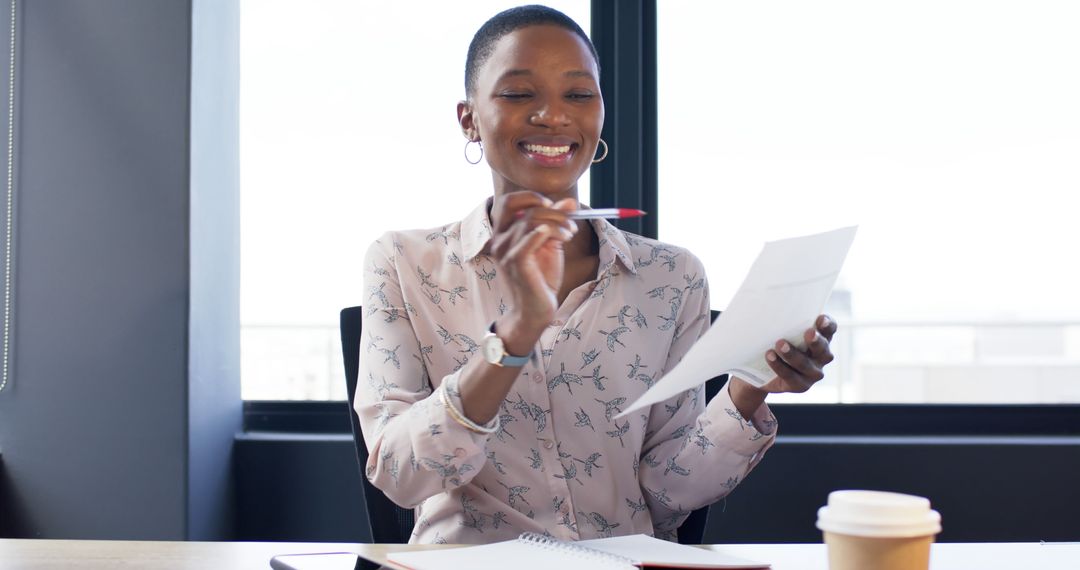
(559,461)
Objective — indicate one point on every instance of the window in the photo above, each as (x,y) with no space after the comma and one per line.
(348,129)
(947,129)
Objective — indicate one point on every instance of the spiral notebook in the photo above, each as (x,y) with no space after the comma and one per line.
(533,551)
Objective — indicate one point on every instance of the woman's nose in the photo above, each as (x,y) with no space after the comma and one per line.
(550,114)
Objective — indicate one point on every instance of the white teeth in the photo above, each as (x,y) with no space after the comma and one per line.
(547,150)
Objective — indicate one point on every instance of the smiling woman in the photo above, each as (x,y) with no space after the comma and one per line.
(480,323)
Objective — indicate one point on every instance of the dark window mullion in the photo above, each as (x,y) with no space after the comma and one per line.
(624,32)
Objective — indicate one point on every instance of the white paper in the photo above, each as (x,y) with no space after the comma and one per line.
(784,292)
(628,552)
(651,551)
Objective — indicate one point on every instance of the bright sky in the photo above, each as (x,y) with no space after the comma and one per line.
(948,130)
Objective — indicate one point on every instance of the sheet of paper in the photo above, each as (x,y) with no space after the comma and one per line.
(655,552)
(781,296)
(622,553)
(513,554)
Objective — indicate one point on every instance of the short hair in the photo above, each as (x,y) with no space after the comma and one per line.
(512,20)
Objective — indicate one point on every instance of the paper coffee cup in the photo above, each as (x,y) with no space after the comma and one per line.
(880,530)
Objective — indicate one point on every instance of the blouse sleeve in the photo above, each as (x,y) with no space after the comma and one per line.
(416,448)
(695,455)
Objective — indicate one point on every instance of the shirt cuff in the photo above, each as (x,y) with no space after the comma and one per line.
(456,410)
(750,436)
(445,415)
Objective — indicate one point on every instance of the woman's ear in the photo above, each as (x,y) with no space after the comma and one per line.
(467,121)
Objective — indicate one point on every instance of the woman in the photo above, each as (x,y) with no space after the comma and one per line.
(500,349)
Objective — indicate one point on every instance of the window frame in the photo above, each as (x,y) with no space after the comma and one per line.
(871,420)
(624,32)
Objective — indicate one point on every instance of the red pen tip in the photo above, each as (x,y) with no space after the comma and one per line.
(630,213)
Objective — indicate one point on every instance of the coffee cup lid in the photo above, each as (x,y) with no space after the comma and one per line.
(878,514)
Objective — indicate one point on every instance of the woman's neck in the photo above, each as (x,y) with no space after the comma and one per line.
(504,186)
(584,244)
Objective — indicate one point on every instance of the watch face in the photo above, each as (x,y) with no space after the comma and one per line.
(493,349)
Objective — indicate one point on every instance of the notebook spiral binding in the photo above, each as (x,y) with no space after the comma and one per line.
(597,559)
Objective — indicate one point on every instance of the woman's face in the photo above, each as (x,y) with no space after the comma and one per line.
(537,110)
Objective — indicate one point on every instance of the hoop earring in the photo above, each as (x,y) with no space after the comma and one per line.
(603,156)
(479,158)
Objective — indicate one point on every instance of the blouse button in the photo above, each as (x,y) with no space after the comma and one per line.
(564,508)
(548,444)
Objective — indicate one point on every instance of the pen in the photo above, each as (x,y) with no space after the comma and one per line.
(607,213)
(596,213)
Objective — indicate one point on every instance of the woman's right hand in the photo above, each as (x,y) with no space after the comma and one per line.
(527,242)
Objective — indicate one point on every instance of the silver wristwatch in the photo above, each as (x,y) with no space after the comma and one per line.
(495,351)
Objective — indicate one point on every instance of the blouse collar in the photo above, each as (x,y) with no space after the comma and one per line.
(614,244)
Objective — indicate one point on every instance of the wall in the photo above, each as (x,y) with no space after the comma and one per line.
(299,488)
(214,406)
(994,489)
(987,489)
(97,424)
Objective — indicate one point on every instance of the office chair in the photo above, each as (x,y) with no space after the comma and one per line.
(388,522)
(692,530)
(380,508)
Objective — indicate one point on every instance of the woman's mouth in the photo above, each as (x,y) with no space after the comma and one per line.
(549,155)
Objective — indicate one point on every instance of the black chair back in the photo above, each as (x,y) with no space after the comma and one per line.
(388,522)
(692,530)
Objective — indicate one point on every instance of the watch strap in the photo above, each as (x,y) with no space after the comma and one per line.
(515,361)
(509,359)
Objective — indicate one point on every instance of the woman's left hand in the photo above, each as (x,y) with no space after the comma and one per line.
(797,370)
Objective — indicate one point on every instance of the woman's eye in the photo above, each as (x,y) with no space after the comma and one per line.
(580,96)
(515,95)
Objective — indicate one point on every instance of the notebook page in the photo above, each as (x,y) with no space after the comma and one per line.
(508,555)
(655,552)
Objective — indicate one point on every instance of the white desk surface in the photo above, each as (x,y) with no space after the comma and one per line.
(31,554)
(949,556)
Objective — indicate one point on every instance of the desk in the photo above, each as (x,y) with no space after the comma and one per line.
(22,554)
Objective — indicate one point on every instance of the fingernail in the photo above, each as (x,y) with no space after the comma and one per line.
(824,321)
(566,233)
(544,229)
(785,348)
(770,356)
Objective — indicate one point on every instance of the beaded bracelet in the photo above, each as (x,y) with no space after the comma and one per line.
(464,421)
